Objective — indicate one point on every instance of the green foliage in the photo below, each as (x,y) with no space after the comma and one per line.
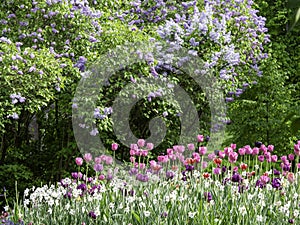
(260,113)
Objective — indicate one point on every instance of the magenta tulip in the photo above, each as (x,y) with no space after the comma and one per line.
(242,151)
(200,138)
(202,150)
(114,146)
(79,161)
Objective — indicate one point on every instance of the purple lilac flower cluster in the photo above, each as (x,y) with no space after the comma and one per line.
(228,35)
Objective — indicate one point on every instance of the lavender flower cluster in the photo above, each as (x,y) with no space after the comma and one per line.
(228,35)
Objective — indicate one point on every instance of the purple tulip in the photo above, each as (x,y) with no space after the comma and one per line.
(261,158)
(207,196)
(98,167)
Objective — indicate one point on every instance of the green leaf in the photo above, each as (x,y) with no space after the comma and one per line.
(295,126)
(136,216)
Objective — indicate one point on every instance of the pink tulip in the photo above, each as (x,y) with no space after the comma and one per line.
(270,148)
(172,157)
(142,166)
(227,150)
(268,158)
(149,146)
(191,147)
(109,160)
(217,171)
(211,156)
(290,177)
(138,152)
(233,146)
(221,154)
(202,150)
(264,179)
(261,158)
(248,149)
(144,152)
(284,159)
(204,164)
(88,157)
(196,155)
(134,147)
(152,163)
(103,157)
(169,151)
(132,159)
(97,160)
(200,138)
(141,142)
(79,161)
(232,157)
(235,169)
(132,152)
(255,151)
(242,151)
(263,147)
(162,158)
(114,146)
(291,157)
(179,148)
(274,158)
(101,177)
(298,165)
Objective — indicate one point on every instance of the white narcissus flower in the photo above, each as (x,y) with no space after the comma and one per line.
(259,218)
(243,210)
(97,211)
(296,213)
(67,206)
(72,212)
(146,213)
(192,214)
(111,205)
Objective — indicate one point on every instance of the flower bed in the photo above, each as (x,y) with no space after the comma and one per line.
(236,186)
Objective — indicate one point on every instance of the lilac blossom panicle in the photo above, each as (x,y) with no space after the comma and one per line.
(222,25)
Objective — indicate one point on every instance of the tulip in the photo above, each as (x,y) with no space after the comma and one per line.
(274,158)
(114,146)
(202,150)
(88,157)
(141,142)
(232,157)
(255,151)
(291,157)
(191,147)
(221,154)
(270,148)
(290,177)
(242,151)
(227,150)
(200,138)
(150,146)
(79,161)
(261,158)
